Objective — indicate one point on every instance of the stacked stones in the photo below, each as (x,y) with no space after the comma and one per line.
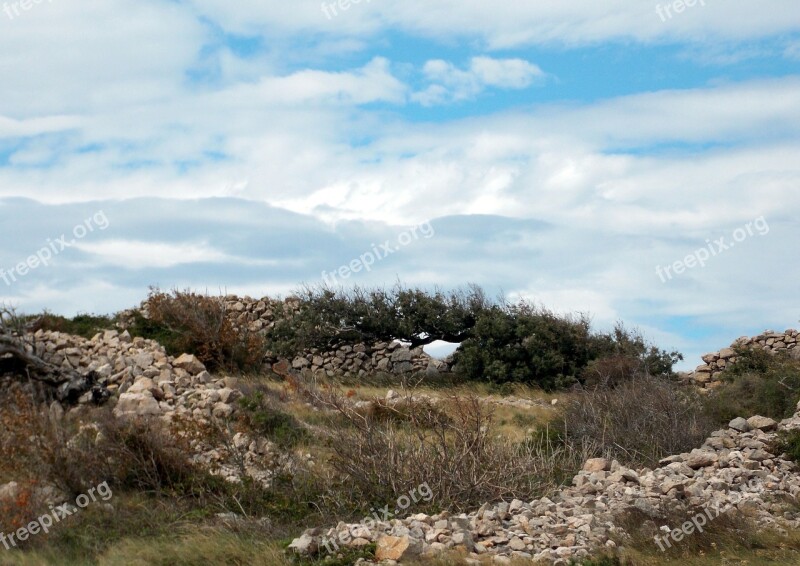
(706,375)
(145,382)
(733,470)
(361,360)
(260,315)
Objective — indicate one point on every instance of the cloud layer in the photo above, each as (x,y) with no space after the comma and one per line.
(251,148)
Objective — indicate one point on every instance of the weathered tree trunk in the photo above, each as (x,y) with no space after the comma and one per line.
(65,385)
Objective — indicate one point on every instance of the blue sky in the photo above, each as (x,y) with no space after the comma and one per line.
(557,151)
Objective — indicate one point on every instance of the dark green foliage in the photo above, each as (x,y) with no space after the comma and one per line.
(521,343)
(328,318)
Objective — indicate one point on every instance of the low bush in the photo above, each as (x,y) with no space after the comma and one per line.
(788,442)
(461,458)
(522,343)
(638,422)
(184,321)
(85,325)
(526,344)
(264,416)
(759,383)
(726,530)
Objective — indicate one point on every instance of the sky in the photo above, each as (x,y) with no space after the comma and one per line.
(631,160)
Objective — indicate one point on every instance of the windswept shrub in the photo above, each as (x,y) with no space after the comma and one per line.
(327,318)
(184,321)
(526,344)
(639,421)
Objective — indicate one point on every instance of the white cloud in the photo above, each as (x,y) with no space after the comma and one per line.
(372,83)
(453,84)
(572,22)
(136,255)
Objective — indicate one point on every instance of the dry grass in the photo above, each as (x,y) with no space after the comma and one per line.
(747,549)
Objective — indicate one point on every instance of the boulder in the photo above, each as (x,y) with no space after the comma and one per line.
(137,405)
(739,424)
(762,423)
(397,548)
(700,459)
(597,465)
(189,363)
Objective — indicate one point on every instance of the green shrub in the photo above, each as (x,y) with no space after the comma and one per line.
(524,344)
(759,383)
(788,442)
(85,325)
(263,416)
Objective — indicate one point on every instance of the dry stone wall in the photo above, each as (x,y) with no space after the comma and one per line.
(707,374)
(260,315)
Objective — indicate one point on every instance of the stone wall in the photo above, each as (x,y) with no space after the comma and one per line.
(361,360)
(707,374)
(259,315)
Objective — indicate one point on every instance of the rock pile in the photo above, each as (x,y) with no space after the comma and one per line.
(733,470)
(145,382)
(715,363)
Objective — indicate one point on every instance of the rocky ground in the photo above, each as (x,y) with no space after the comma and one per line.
(733,470)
